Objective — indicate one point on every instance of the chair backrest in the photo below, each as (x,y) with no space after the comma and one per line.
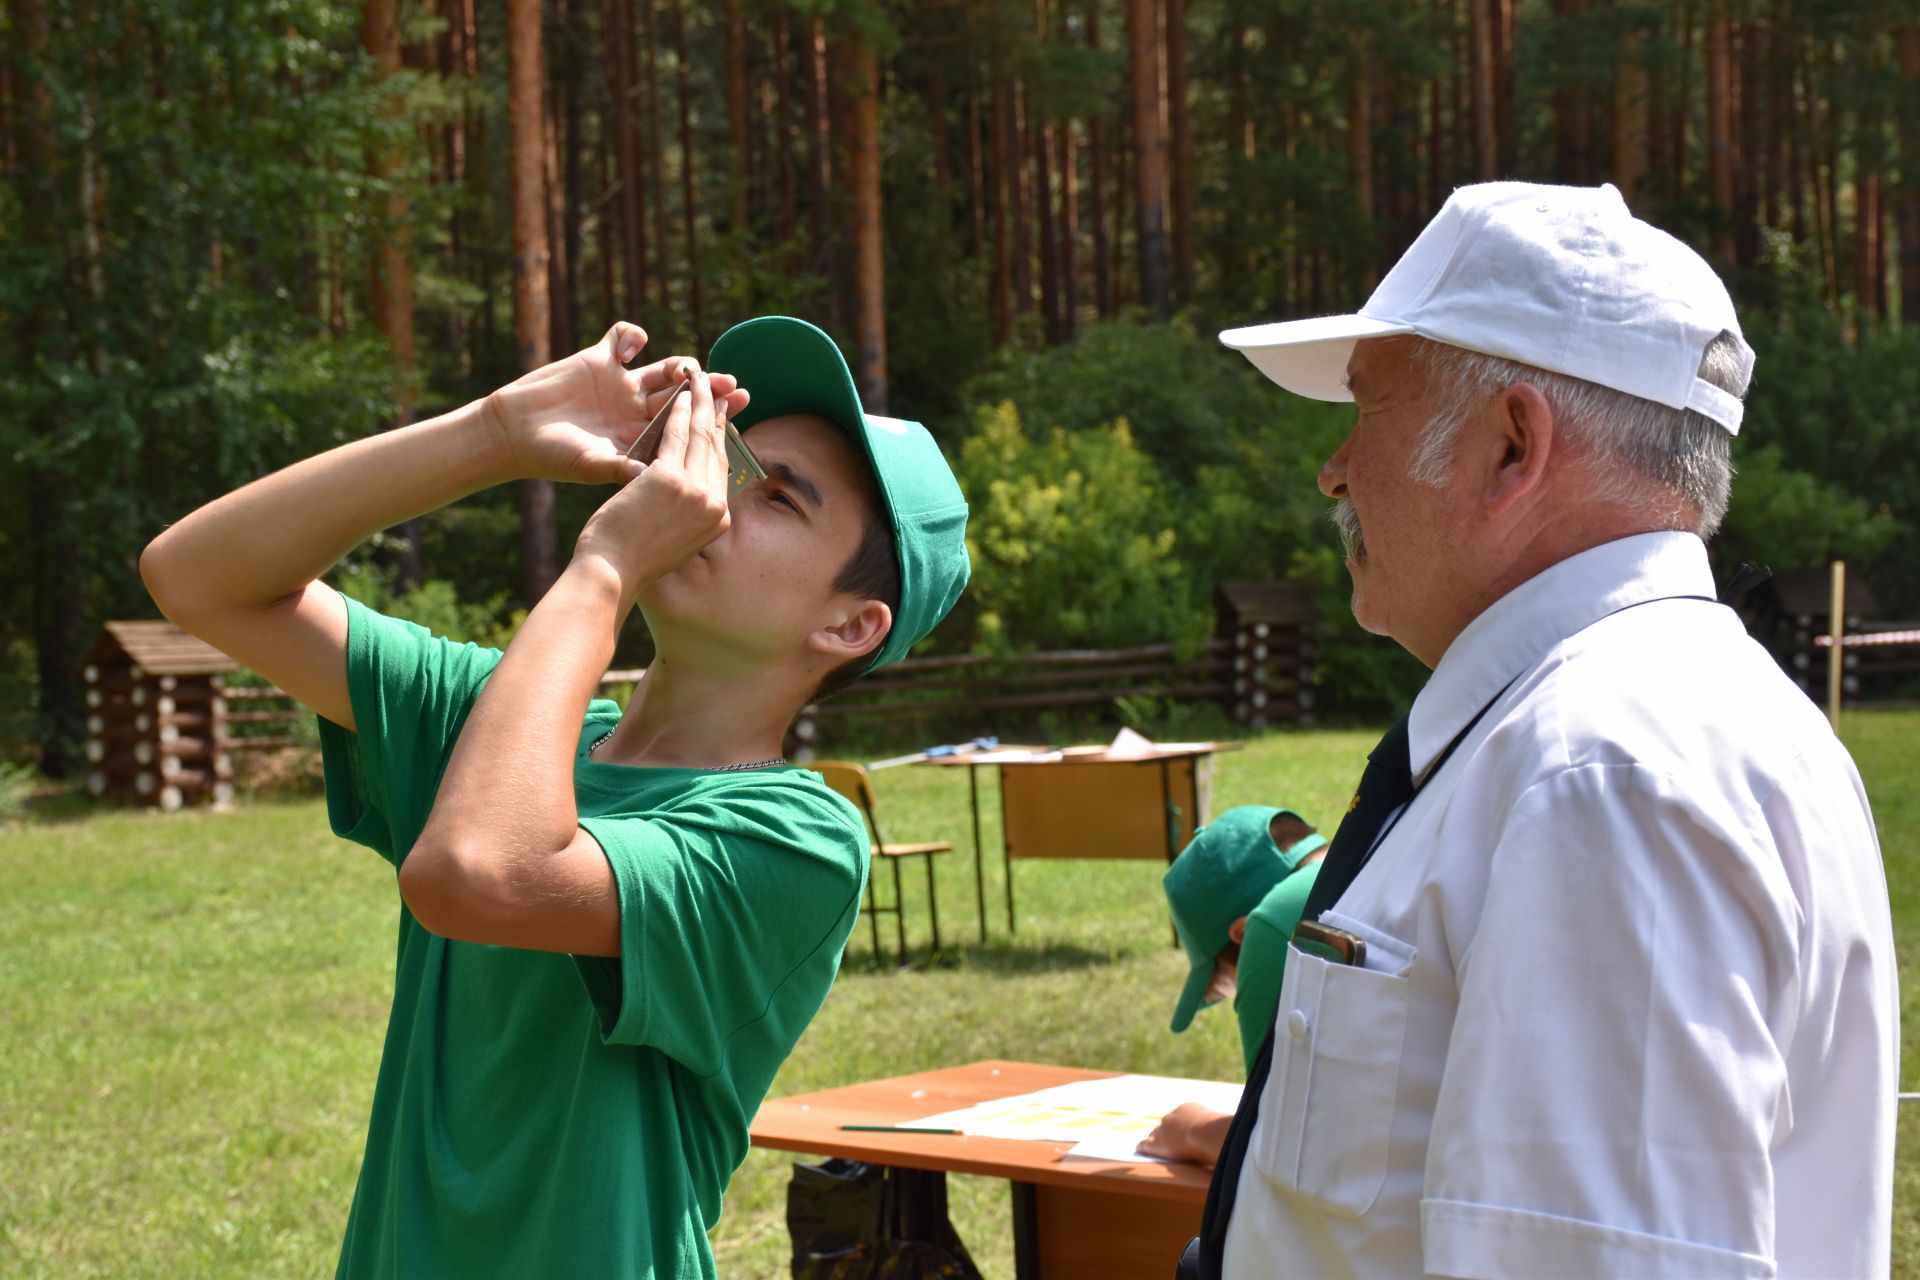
(850,780)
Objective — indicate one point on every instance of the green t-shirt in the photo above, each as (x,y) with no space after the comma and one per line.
(1263,956)
(550,1116)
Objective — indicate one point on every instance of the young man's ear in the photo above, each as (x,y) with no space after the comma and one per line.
(855,632)
(1237,931)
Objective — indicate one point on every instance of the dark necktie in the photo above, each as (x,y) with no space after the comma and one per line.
(1386,785)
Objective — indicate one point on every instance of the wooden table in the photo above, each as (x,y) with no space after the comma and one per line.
(1072,1219)
(1085,802)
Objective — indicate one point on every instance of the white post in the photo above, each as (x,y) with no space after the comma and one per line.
(1836,633)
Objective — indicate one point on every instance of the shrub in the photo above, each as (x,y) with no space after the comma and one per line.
(435,604)
(1072,541)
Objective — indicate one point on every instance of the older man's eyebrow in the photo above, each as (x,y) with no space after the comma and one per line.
(785,474)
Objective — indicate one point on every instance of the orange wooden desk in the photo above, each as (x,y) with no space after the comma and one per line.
(1084,803)
(1072,1219)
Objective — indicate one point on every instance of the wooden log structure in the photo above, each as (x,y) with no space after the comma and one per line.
(156,716)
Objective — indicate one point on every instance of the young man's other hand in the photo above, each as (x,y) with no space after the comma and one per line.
(573,420)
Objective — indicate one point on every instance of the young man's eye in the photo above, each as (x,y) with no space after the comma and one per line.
(782,499)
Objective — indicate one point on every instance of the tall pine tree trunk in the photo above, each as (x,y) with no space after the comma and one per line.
(1000,301)
(629,208)
(1720,126)
(869,249)
(1180,157)
(690,259)
(55,607)
(390,274)
(1041,136)
(562,186)
(655,162)
(939,159)
(1908,40)
(737,125)
(1067,162)
(1097,155)
(1629,117)
(783,135)
(532,322)
(1149,155)
(820,150)
(1360,141)
(976,156)
(1019,188)
(1501,19)
(1480,42)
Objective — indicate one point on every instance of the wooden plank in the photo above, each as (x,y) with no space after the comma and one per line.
(247,693)
(1084,1234)
(1096,809)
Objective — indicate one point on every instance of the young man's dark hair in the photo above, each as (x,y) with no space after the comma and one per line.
(613,926)
(872,574)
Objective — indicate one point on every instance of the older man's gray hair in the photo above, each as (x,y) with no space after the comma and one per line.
(1676,462)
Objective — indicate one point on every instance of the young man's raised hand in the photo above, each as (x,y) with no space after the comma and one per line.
(678,502)
(572,420)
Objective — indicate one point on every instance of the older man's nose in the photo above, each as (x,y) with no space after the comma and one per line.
(1333,472)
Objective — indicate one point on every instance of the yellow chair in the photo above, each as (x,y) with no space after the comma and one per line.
(852,781)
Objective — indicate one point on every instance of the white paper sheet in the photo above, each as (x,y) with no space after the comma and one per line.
(1118,1111)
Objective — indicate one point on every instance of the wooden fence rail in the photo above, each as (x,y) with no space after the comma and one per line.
(1259,667)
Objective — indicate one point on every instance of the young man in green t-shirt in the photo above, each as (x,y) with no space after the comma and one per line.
(613,927)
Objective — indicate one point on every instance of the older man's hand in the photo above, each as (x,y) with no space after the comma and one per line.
(1190,1133)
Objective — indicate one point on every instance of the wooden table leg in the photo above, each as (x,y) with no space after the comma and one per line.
(1026,1232)
(979,873)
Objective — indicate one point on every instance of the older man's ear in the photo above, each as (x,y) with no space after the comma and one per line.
(1522,448)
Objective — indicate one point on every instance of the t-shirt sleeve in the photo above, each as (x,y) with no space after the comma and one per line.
(722,900)
(411,691)
(1613,1087)
(1263,957)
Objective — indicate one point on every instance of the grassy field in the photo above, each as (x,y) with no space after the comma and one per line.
(193,1008)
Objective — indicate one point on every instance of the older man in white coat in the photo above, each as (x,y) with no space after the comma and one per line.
(1599,977)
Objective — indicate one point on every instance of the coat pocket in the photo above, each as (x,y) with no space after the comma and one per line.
(1327,1108)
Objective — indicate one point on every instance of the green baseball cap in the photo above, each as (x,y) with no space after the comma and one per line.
(790,366)
(1222,874)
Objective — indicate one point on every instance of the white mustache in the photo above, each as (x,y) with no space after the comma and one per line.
(1348,523)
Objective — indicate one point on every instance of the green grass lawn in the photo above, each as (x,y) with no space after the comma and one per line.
(193,1008)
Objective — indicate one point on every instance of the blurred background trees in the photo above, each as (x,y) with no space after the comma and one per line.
(234,234)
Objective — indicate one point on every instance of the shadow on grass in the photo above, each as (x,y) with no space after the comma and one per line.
(993,956)
(57,804)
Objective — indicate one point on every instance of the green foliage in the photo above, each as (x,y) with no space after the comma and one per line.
(1072,540)
(159,279)
(1788,518)
(1233,464)
(1834,467)
(434,604)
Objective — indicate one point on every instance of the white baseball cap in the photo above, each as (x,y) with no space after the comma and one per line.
(1560,278)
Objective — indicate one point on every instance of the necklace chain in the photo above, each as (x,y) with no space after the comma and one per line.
(725,768)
